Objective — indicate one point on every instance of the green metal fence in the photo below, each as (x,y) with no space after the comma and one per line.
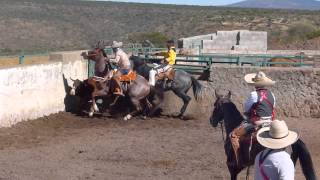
(203,62)
(22,55)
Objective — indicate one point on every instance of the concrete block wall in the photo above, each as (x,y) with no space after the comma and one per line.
(33,91)
(237,40)
(252,41)
(194,41)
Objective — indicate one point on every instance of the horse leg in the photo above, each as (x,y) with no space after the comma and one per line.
(156,103)
(186,99)
(94,107)
(138,108)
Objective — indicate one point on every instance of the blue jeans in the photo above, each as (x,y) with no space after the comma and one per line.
(124,71)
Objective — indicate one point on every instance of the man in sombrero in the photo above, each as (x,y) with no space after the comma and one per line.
(259,108)
(274,162)
(121,60)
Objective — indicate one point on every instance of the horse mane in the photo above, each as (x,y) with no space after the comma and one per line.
(104,53)
(232,116)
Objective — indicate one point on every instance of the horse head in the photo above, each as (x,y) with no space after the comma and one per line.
(137,61)
(217,115)
(96,53)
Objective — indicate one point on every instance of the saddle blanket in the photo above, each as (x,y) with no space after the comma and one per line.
(131,76)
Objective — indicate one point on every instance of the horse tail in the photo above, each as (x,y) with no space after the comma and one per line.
(197,88)
(300,151)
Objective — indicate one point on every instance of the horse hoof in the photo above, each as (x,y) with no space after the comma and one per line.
(127,117)
(90,114)
(95,107)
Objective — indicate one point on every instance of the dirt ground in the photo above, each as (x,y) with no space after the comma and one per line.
(64,146)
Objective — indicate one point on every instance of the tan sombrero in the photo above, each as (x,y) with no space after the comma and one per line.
(258,79)
(116,44)
(277,136)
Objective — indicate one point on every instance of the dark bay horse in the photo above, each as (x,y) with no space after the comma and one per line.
(137,90)
(93,87)
(180,85)
(226,111)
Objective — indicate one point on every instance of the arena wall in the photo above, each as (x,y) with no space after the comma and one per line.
(297,91)
(33,91)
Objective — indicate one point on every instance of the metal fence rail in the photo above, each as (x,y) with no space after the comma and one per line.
(203,62)
(21,56)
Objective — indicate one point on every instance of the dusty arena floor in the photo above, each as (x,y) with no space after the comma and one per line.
(64,146)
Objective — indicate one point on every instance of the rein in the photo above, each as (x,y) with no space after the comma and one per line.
(222,131)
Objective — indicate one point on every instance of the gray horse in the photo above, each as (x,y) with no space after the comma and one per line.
(180,85)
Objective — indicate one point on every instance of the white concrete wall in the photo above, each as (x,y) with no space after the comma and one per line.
(237,40)
(33,91)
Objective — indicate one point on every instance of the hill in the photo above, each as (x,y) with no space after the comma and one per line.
(71,24)
(280,4)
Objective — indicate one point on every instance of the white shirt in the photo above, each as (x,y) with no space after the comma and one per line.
(121,59)
(252,99)
(277,166)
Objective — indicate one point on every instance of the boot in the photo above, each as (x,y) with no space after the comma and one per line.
(118,89)
(235,137)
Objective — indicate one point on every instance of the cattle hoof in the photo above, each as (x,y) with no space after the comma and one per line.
(127,117)
(90,114)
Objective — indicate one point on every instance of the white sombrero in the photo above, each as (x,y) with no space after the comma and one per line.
(116,44)
(277,136)
(259,79)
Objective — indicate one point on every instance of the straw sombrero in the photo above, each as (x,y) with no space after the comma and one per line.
(116,44)
(258,79)
(277,136)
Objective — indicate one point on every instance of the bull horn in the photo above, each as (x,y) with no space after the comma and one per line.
(72,79)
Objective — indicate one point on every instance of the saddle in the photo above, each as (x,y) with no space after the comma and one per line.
(131,76)
(169,74)
(241,142)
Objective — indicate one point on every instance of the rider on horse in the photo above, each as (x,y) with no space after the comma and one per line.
(121,59)
(259,108)
(169,61)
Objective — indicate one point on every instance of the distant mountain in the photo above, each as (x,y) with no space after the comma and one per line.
(279,4)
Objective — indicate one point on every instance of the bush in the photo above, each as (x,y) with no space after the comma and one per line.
(314,34)
(300,31)
(157,38)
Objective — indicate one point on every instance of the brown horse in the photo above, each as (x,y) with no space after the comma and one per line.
(136,90)
(282,62)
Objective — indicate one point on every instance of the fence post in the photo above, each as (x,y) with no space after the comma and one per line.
(21,58)
(91,69)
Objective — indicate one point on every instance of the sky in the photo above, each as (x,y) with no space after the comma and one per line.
(185,2)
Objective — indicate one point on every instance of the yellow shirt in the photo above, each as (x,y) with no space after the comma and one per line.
(170,56)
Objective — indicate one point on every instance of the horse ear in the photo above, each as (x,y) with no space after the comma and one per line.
(229,95)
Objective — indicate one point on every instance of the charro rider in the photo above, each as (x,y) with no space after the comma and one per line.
(121,60)
(259,108)
(169,61)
